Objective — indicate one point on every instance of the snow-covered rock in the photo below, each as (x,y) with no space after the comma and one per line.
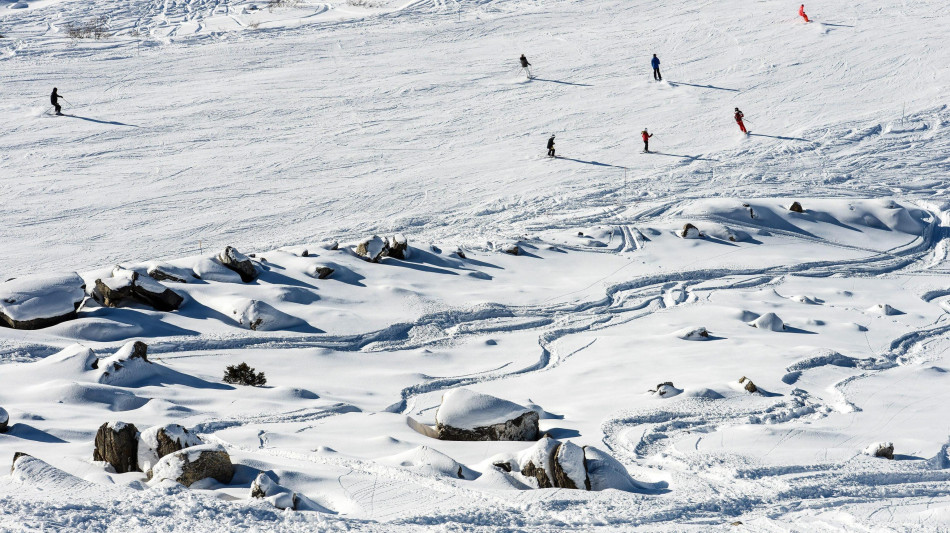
(398,247)
(510,248)
(4,420)
(605,472)
(319,271)
(569,468)
(265,488)
(261,316)
(42,300)
(209,269)
(534,463)
(768,322)
(796,207)
(430,461)
(690,231)
(158,441)
(748,385)
(193,464)
(372,249)
(550,463)
(880,449)
(468,415)
(117,444)
(238,262)
(127,285)
(127,366)
(666,390)
(692,334)
(883,309)
(166,272)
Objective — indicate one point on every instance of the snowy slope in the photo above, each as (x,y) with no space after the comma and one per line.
(275,129)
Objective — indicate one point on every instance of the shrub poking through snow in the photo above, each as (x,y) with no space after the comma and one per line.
(193,464)
(117,444)
(239,263)
(690,231)
(40,301)
(158,441)
(4,420)
(468,415)
(796,207)
(880,449)
(244,375)
(748,385)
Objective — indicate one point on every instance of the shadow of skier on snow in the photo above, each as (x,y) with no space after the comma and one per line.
(675,83)
(562,82)
(595,163)
(100,121)
(779,137)
(690,157)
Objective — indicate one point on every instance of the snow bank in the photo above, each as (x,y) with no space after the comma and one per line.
(40,300)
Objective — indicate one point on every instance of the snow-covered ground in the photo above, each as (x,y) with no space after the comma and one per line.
(278,128)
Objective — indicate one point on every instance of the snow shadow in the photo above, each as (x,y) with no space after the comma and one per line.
(563,433)
(345,275)
(562,82)
(596,163)
(675,83)
(28,432)
(97,121)
(690,157)
(837,25)
(779,137)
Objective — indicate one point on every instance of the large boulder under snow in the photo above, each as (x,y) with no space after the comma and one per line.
(267,489)
(166,272)
(117,444)
(193,464)
(128,365)
(690,231)
(261,316)
(158,441)
(239,263)
(39,301)
(550,463)
(372,249)
(468,415)
(398,247)
(768,322)
(127,286)
(880,449)
(4,420)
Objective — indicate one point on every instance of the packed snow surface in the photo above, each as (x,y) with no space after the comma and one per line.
(283,127)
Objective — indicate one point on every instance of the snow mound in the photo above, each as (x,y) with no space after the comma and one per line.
(261,316)
(883,309)
(40,300)
(466,409)
(429,461)
(128,366)
(803,299)
(267,489)
(209,269)
(666,390)
(605,472)
(692,334)
(768,322)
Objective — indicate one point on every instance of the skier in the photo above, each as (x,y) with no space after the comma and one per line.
(54,99)
(646,140)
(656,68)
(739,117)
(551,146)
(801,13)
(525,65)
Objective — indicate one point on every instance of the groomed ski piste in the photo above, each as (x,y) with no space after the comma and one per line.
(292,131)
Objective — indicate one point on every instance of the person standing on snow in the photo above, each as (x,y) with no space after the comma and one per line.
(525,65)
(801,13)
(54,99)
(656,68)
(646,140)
(739,117)
(551,146)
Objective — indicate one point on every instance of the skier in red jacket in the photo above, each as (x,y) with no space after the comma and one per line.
(739,117)
(646,140)
(801,13)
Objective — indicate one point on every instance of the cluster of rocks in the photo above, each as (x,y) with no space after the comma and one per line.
(375,248)
(162,452)
(126,286)
(551,463)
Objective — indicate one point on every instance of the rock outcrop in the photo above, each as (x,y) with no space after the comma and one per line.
(239,263)
(748,385)
(319,271)
(468,415)
(158,441)
(117,444)
(193,464)
(40,301)
(796,207)
(127,286)
(880,449)
(550,463)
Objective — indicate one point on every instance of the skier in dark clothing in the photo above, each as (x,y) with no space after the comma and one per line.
(54,99)
(551,146)
(646,140)
(525,65)
(656,68)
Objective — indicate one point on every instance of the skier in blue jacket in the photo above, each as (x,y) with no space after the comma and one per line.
(656,68)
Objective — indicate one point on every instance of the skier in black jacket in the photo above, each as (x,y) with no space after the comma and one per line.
(551,146)
(525,65)
(54,99)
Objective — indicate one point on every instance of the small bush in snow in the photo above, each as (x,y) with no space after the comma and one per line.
(244,375)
